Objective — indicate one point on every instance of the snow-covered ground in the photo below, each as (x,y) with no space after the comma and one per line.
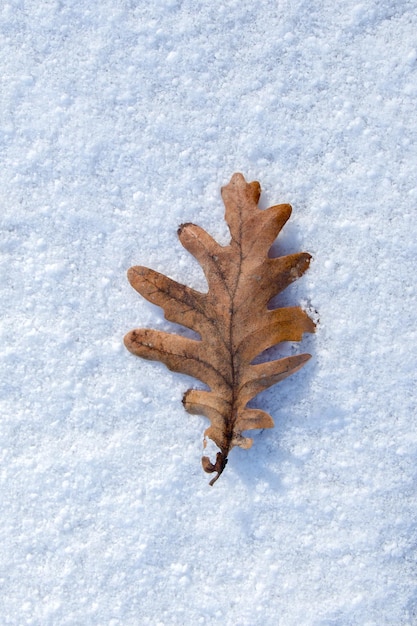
(119,120)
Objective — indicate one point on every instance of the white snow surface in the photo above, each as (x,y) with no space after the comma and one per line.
(120,120)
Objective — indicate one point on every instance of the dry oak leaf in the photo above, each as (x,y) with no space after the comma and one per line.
(232,318)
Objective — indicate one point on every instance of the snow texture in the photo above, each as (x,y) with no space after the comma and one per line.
(119,121)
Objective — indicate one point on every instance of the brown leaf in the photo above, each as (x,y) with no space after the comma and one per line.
(232,318)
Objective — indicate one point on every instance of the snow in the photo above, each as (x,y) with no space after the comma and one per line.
(119,121)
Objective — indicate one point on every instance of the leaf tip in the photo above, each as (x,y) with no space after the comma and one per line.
(130,274)
(181,227)
(238,184)
(130,341)
(135,275)
(285,211)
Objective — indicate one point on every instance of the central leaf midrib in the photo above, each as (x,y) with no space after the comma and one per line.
(234,368)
